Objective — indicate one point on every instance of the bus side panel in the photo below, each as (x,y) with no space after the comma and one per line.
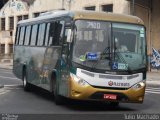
(18,61)
(34,57)
(51,64)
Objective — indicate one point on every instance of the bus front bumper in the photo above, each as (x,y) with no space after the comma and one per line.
(88,92)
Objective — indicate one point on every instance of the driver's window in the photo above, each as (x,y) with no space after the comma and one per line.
(65,47)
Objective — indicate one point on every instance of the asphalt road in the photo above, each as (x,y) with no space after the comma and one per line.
(13,99)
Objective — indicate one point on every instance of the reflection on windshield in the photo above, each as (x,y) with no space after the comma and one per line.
(129,43)
(93,40)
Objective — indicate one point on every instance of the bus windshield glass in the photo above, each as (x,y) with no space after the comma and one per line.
(98,45)
(92,38)
(129,46)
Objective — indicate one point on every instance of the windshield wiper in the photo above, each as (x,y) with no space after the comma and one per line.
(105,51)
(119,56)
(123,60)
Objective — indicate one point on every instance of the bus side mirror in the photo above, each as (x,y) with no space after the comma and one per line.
(69,36)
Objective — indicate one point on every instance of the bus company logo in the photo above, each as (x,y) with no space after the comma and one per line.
(110,83)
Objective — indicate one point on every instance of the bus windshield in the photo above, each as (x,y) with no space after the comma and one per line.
(129,46)
(97,45)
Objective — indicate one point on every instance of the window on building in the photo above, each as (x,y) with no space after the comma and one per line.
(25,17)
(11,48)
(19,18)
(41,34)
(27,36)
(3,23)
(11,23)
(36,14)
(90,8)
(107,8)
(34,35)
(2,49)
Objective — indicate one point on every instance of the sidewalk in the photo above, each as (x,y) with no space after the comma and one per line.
(6,65)
(153,78)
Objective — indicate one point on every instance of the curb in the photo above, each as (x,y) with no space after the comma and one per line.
(6,68)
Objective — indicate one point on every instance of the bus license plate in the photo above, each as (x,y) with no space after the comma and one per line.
(110,96)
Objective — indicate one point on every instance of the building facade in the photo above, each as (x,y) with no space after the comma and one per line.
(10,14)
(15,10)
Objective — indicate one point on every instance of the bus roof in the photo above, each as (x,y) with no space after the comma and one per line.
(90,15)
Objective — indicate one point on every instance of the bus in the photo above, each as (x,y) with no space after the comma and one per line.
(83,55)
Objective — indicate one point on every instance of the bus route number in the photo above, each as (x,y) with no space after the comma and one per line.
(94,25)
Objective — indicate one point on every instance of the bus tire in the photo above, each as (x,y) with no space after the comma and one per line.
(114,104)
(26,85)
(57,98)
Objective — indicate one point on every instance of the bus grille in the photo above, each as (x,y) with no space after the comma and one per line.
(87,73)
(110,88)
(118,77)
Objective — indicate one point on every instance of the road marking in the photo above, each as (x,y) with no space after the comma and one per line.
(153,90)
(16,85)
(11,87)
(9,77)
(3,91)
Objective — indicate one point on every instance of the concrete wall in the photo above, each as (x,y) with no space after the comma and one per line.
(151,17)
(44,5)
(143,13)
(155,26)
(119,6)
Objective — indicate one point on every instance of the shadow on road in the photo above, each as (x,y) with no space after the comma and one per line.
(80,105)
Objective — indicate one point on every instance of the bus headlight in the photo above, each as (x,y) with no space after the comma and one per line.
(80,81)
(139,85)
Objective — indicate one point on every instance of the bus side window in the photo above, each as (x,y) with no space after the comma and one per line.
(22,33)
(51,33)
(47,34)
(58,31)
(34,35)
(54,33)
(17,35)
(41,34)
(27,36)
(65,48)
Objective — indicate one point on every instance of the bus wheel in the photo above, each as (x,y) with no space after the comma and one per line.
(57,98)
(26,86)
(114,104)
